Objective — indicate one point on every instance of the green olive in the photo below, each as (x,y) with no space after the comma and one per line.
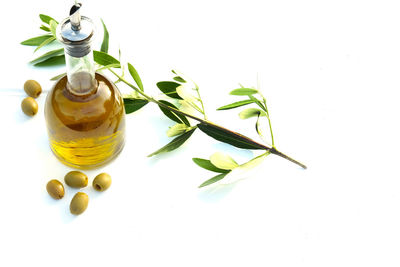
(55,189)
(76,179)
(29,106)
(79,203)
(102,182)
(32,88)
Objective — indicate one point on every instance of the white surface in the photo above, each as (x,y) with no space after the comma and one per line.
(330,72)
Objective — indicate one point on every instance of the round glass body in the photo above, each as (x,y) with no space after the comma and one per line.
(85,130)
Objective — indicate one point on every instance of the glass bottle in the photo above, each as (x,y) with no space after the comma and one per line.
(84,111)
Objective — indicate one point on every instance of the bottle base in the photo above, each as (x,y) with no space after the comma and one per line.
(85,163)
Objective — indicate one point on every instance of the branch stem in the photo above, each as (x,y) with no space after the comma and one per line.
(273,150)
(280,154)
(269,119)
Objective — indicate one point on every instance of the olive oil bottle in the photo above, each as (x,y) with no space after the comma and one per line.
(84,111)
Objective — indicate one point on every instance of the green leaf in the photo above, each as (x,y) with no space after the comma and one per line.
(185,92)
(213,180)
(223,161)
(55,78)
(46,19)
(229,137)
(132,94)
(53,27)
(116,65)
(175,143)
(135,76)
(253,162)
(104,59)
(45,42)
(169,88)
(236,104)
(172,115)
(177,129)
(244,91)
(47,29)
(104,44)
(35,41)
(258,126)
(258,102)
(206,164)
(132,105)
(251,112)
(53,53)
(179,79)
(53,61)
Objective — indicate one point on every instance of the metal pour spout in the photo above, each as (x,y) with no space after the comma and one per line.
(75,17)
(76,32)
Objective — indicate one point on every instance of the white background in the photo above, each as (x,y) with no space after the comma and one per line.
(329,70)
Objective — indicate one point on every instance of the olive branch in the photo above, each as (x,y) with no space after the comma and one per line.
(189,105)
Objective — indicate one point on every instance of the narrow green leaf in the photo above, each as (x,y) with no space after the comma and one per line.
(175,143)
(35,41)
(258,126)
(132,105)
(229,137)
(135,76)
(169,113)
(236,104)
(258,102)
(172,115)
(104,59)
(132,94)
(53,27)
(213,180)
(179,79)
(115,65)
(206,164)
(106,37)
(47,29)
(177,129)
(186,93)
(169,88)
(243,91)
(55,78)
(45,42)
(223,161)
(253,162)
(53,61)
(46,19)
(251,112)
(53,53)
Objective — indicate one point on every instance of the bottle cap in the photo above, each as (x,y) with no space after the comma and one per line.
(76,32)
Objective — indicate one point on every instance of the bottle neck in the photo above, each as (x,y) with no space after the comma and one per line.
(80,74)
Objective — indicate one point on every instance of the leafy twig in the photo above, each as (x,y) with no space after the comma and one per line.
(180,90)
(215,131)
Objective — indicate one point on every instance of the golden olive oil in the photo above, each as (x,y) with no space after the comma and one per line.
(85,130)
